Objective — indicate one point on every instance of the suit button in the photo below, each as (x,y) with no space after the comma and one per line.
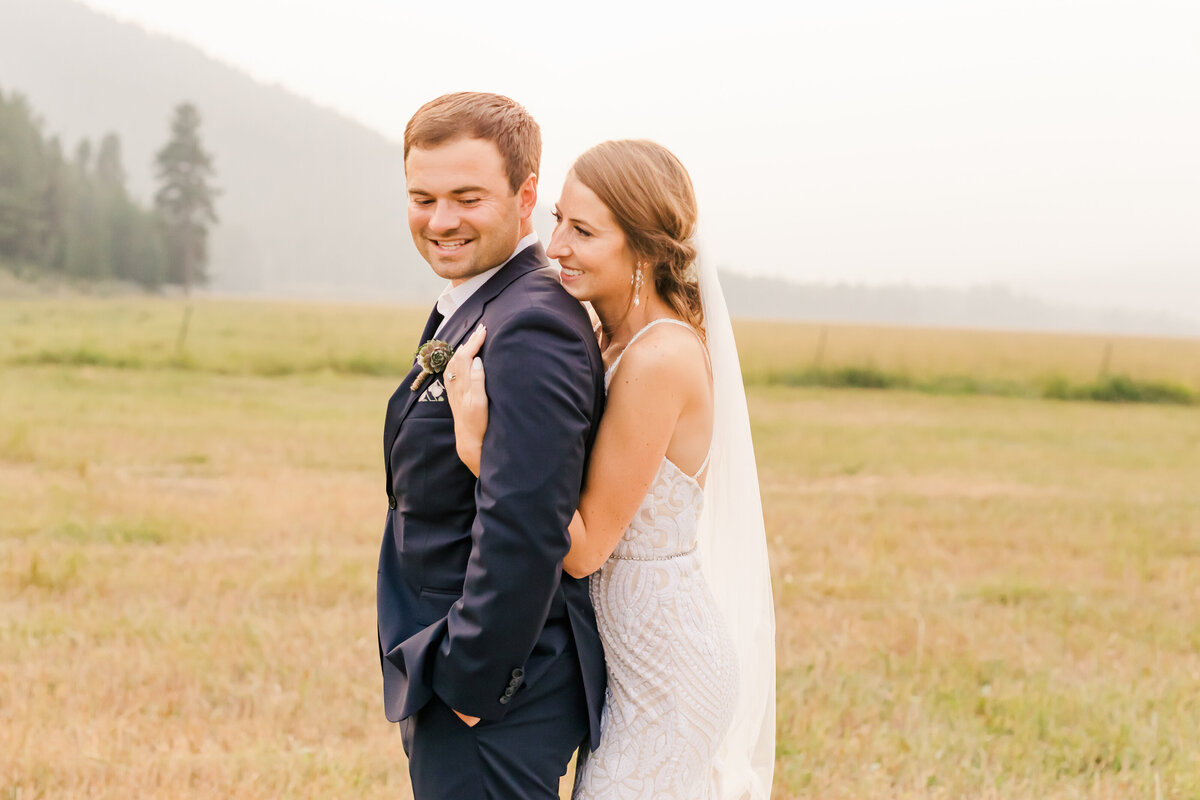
(504,700)
(509,692)
(392,501)
(518,673)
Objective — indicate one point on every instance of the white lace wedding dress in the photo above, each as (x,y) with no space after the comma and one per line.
(672,672)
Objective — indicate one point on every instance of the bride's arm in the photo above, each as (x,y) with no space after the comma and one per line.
(648,393)
(645,400)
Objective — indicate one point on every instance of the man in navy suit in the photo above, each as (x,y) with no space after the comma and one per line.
(491,660)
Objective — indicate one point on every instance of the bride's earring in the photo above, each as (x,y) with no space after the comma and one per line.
(636,280)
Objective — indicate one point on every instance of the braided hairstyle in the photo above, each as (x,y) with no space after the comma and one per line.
(650,195)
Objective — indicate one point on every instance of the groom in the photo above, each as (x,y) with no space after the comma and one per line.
(491,660)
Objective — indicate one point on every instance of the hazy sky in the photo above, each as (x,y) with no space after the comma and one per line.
(1051,145)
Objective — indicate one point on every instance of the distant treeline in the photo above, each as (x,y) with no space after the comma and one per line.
(73,217)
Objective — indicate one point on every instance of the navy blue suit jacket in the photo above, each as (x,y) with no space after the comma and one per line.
(471,594)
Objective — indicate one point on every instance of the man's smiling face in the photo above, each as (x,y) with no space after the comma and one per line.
(464,216)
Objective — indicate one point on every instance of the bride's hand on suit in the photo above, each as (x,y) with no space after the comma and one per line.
(467,391)
(464,381)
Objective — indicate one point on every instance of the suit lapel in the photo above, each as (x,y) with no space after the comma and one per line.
(403,397)
(460,325)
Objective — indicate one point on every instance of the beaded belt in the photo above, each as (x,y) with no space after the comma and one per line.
(687,552)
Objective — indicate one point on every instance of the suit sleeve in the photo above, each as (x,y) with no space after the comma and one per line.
(542,399)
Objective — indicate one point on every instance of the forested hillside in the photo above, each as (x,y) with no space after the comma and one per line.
(311,202)
(71,214)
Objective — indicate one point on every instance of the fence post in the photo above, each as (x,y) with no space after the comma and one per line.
(820,354)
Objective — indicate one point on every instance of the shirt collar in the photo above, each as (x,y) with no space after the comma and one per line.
(453,297)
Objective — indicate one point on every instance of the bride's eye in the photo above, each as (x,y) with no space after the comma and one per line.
(582,232)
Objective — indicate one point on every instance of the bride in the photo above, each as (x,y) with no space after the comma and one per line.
(669,524)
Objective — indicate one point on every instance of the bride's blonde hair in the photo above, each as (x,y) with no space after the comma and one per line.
(650,195)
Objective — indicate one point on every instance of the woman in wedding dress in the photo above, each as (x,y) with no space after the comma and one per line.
(670,494)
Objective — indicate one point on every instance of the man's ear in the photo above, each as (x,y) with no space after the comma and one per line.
(528,195)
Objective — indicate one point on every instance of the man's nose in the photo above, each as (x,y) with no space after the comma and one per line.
(445,217)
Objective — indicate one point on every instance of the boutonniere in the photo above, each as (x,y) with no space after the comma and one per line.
(433,356)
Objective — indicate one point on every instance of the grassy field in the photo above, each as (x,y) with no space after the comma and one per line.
(981,354)
(977,597)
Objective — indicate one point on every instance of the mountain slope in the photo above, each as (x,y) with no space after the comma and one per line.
(310,199)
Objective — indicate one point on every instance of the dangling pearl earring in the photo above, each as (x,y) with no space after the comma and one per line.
(636,280)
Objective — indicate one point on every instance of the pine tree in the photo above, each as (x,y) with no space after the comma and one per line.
(185,198)
(22,171)
(86,239)
(71,217)
(55,203)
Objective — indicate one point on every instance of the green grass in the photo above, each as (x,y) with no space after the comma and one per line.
(1108,389)
(274,340)
(225,337)
(977,596)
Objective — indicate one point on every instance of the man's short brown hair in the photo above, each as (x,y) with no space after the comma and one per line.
(479,115)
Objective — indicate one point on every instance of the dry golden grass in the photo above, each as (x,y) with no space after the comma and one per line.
(983,597)
(976,597)
(986,355)
(187,588)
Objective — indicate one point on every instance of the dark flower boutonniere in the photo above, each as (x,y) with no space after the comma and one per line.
(433,356)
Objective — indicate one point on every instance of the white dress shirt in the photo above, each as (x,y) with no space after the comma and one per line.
(452,297)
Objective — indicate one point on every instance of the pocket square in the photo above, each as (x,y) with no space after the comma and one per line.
(436,393)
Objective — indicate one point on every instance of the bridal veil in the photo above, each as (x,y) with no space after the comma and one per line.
(733,547)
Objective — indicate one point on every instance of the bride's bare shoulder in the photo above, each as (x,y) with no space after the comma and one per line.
(672,352)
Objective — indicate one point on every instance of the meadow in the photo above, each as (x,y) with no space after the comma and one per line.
(978,594)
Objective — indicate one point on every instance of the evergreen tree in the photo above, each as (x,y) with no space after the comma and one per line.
(55,203)
(185,197)
(110,174)
(120,214)
(71,217)
(22,173)
(84,238)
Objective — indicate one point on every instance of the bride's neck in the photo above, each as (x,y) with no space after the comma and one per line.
(619,325)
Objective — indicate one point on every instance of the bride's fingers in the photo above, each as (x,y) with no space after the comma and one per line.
(479,378)
(455,377)
(457,366)
(470,348)
(459,371)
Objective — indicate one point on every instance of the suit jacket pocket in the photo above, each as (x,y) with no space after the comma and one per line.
(434,604)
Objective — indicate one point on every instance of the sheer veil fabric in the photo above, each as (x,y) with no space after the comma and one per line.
(733,546)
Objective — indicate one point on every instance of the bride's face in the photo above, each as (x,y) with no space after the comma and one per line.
(590,247)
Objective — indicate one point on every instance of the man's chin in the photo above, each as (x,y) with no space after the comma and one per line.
(450,267)
(455,271)
(461,266)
